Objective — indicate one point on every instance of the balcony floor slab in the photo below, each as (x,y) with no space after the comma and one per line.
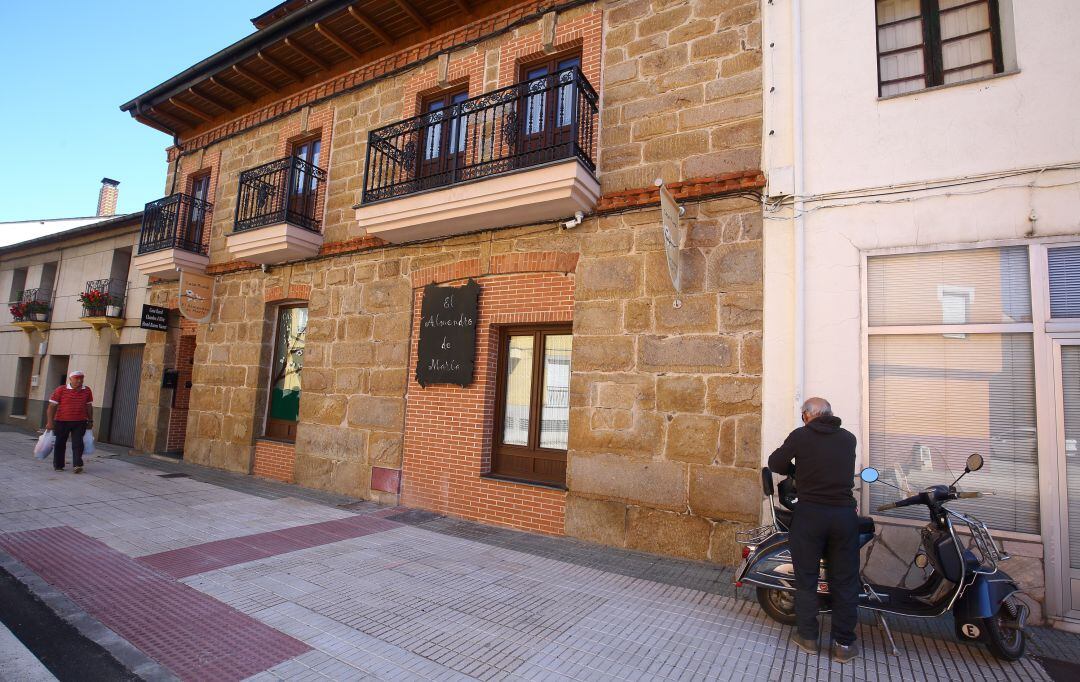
(274,244)
(536,195)
(168,263)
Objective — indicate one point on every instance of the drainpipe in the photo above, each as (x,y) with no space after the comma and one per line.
(798,208)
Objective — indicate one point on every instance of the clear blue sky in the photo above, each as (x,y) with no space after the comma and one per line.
(68,65)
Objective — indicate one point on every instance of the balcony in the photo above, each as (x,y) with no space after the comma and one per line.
(32,310)
(171,239)
(103,303)
(522,154)
(278,212)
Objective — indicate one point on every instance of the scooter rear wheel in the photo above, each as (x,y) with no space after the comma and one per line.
(1004,637)
(778,604)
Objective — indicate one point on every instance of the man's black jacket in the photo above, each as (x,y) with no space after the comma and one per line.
(824,455)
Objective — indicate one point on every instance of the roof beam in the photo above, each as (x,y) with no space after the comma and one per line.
(307,54)
(212,100)
(188,109)
(463,6)
(172,117)
(339,41)
(413,14)
(254,78)
(275,64)
(371,26)
(242,94)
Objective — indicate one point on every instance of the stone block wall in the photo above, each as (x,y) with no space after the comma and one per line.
(681,91)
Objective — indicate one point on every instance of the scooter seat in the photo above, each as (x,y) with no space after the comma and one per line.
(784,516)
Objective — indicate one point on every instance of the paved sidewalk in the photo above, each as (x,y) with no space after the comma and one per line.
(17,663)
(237,578)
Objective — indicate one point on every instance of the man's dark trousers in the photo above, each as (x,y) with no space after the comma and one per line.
(831,531)
(62,430)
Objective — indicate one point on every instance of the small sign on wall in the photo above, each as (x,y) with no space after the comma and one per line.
(446,350)
(196,296)
(154,317)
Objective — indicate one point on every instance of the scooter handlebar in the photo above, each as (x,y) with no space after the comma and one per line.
(886,507)
(968,495)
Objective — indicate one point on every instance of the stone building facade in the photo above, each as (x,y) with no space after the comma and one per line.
(662,424)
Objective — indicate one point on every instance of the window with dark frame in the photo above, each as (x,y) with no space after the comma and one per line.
(925,43)
(443,138)
(532,413)
(305,184)
(283,406)
(547,110)
(199,189)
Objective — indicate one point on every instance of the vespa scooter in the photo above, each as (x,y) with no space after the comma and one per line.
(964,580)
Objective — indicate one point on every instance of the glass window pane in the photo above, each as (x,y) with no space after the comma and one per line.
(555,419)
(519,367)
(1064,265)
(1070,391)
(930,288)
(288,363)
(934,400)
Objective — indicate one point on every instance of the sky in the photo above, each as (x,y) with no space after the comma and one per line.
(68,65)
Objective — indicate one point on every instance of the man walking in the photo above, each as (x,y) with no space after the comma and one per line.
(825,524)
(70,413)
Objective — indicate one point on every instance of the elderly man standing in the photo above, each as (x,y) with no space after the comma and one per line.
(825,524)
(70,413)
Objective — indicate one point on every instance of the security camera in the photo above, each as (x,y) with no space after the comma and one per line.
(578,217)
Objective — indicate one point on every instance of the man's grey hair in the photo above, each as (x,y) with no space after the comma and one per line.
(817,407)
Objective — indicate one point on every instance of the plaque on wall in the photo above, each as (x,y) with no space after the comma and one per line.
(196,296)
(446,350)
(154,317)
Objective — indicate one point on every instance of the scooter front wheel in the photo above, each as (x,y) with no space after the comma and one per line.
(778,604)
(1004,632)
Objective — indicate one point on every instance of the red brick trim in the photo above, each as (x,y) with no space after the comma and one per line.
(532,318)
(295,292)
(447,273)
(403,59)
(230,267)
(540,261)
(350,245)
(694,188)
(274,459)
(386,480)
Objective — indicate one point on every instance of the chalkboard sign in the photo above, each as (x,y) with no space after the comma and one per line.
(447,347)
(154,317)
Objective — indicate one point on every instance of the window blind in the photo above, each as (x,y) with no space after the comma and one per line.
(992,285)
(900,46)
(936,399)
(1064,266)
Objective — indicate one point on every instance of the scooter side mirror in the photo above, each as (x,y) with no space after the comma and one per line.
(869,474)
(767,482)
(974,462)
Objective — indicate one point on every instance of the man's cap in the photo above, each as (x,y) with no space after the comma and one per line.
(76,373)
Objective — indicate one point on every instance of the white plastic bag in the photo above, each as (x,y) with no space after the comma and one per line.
(44,445)
(88,442)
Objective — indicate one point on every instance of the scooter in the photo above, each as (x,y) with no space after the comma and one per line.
(964,580)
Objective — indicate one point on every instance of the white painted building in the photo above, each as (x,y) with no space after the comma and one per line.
(922,254)
(39,346)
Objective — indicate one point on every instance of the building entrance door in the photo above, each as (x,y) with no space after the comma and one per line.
(1067,373)
(126,395)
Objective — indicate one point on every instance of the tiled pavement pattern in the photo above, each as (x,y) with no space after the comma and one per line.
(441,599)
(181,563)
(193,635)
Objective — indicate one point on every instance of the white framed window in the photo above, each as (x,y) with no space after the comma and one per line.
(951,371)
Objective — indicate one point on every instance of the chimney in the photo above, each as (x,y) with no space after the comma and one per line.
(106,203)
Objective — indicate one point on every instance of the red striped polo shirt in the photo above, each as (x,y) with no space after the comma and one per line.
(72,404)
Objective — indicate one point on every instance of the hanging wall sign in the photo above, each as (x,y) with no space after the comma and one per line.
(196,296)
(446,351)
(154,317)
(669,216)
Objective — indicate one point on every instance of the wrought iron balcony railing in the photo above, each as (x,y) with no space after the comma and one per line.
(32,305)
(104,298)
(175,222)
(552,118)
(288,190)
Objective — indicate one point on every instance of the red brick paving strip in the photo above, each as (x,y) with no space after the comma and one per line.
(181,563)
(192,634)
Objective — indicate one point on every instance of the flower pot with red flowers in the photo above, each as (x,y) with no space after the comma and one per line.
(24,311)
(94,302)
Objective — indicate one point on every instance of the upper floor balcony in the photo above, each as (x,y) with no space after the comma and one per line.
(278,212)
(32,309)
(172,236)
(522,154)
